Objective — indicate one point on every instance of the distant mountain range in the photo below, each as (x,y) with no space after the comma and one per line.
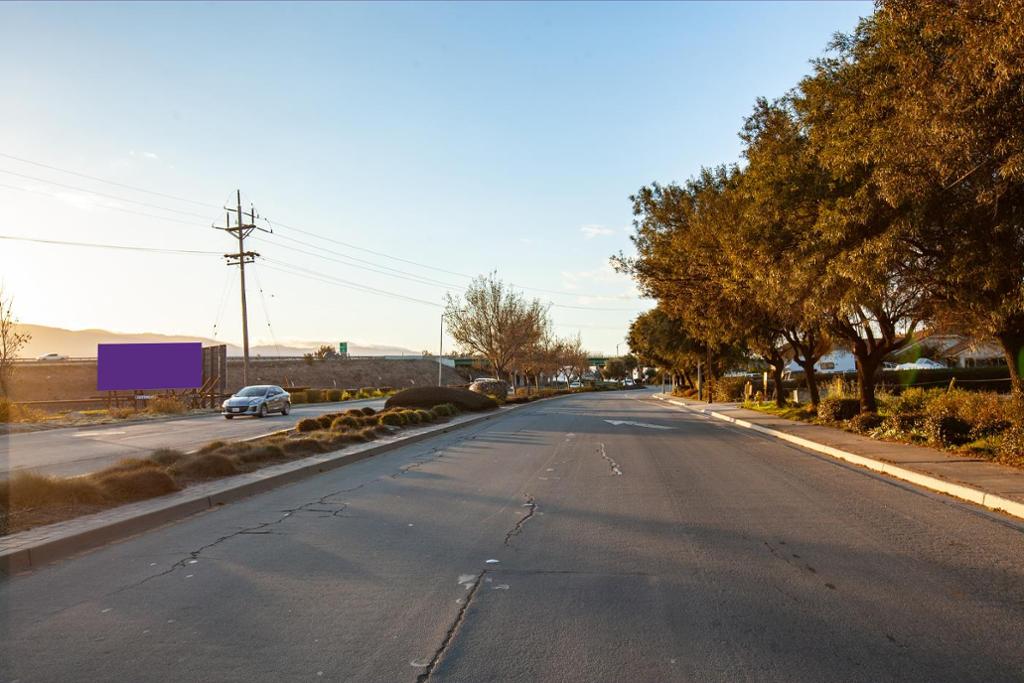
(82,343)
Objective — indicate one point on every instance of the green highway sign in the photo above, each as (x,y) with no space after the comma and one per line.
(343,348)
(597,362)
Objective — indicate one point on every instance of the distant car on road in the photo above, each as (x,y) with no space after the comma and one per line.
(257,401)
(487,379)
(922,364)
(628,382)
(576,385)
(51,357)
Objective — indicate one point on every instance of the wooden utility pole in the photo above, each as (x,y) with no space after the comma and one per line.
(242,229)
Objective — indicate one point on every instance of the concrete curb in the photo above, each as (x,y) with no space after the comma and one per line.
(967,493)
(24,558)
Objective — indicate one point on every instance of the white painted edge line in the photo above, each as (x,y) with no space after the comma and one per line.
(971,495)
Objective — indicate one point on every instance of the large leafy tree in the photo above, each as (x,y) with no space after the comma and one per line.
(929,105)
(772,246)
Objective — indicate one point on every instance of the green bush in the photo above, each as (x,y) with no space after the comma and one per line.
(334,395)
(835,409)
(444,409)
(314,396)
(309,424)
(902,423)
(5,409)
(395,419)
(865,422)
(728,389)
(1011,447)
(425,415)
(298,397)
(344,422)
(411,417)
(911,400)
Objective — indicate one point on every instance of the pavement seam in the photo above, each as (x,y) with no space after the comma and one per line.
(452,630)
(926,481)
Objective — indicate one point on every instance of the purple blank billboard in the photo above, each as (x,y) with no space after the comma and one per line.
(126,367)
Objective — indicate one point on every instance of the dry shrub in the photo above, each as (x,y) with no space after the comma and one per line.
(304,446)
(314,396)
(310,424)
(428,397)
(138,484)
(166,405)
(343,422)
(865,423)
(334,395)
(835,409)
(204,466)
(128,465)
(27,490)
(166,456)
(382,429)
(122,413)
(326,420)
(213,446)
(260,454)
(367,410)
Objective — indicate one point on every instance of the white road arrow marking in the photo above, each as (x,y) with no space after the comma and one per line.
(636,424)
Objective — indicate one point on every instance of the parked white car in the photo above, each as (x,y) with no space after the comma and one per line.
(922,364)
(51,357)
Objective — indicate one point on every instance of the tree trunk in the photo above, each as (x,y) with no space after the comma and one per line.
(777,371)
(1013,350)
(867,366)
(810,380)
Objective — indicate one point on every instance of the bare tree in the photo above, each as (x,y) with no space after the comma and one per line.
(11,341)
(495,321)
(572,359)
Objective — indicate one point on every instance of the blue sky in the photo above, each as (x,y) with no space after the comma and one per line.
(468,137)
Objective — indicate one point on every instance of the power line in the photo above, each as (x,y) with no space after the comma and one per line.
(283,225)
(102,194)
(108,182)
(396,274)
(122,247)
(409,261)
(330,279)
(104,206)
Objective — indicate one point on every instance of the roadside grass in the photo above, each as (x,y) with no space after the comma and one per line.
(29,500)
(981,425)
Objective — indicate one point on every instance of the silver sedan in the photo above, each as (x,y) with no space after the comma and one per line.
(257,401)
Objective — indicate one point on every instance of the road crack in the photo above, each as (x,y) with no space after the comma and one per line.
(616,470)
(515,531)
(452,630)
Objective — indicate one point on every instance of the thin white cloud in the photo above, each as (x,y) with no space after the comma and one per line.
(592,231)
(150,155)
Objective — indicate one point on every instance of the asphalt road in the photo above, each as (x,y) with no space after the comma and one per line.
(71,450)
(547,544)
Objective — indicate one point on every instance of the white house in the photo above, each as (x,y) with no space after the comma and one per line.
(837,360)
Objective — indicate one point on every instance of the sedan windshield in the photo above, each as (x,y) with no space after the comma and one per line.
(252,391)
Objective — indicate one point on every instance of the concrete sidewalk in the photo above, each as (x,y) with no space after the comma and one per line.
(995,486)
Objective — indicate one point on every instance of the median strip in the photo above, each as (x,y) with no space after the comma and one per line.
(961,491)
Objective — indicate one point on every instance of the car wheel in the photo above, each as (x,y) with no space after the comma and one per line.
(228,417)
(263,410)
(287,408)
